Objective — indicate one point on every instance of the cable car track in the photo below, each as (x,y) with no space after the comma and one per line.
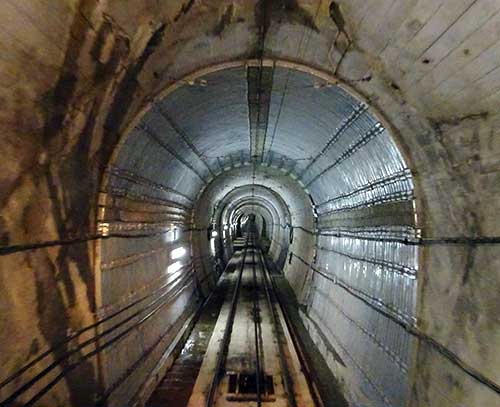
(257,358)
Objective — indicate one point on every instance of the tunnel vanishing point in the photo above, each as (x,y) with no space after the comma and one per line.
(250,203)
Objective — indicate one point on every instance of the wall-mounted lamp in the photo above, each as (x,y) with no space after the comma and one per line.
(174,267)
(178,253)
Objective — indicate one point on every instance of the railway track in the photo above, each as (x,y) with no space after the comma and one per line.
(253,358)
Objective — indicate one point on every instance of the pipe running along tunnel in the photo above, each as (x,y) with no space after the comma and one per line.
(249,194)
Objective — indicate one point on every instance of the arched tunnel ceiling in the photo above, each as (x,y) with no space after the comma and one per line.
(250,197)
(271,186)
(251,205)
(302,149)
(274,115)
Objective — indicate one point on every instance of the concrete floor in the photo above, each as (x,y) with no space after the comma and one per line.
(176,387)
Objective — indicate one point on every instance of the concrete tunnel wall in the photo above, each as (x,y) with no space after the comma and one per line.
(77,76)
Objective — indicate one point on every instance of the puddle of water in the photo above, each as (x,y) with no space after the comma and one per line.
(188,346)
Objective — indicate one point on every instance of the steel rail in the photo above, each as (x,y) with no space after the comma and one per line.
(257,329)
(105,396)
(287,382)
(221,357)
(297,343)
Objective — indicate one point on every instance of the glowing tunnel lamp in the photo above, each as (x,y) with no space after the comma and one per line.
(174,267)
(214,233)
(177,253)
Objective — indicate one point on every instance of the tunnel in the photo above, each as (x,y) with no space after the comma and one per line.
(247,203)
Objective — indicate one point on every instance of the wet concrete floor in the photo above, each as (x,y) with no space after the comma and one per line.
(176,387)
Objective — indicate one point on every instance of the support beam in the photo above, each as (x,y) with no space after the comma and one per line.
(183,136)
(151,134)
(260,84)
(369,135)
(339,131)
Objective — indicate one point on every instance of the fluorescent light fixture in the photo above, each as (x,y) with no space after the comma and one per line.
(212,247)
(174,267)
(178,253)
(170,235)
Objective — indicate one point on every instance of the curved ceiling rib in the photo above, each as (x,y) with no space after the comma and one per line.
(257,194)
(319,134)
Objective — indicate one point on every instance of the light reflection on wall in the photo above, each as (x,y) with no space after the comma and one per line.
(174,267)
(178,253)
